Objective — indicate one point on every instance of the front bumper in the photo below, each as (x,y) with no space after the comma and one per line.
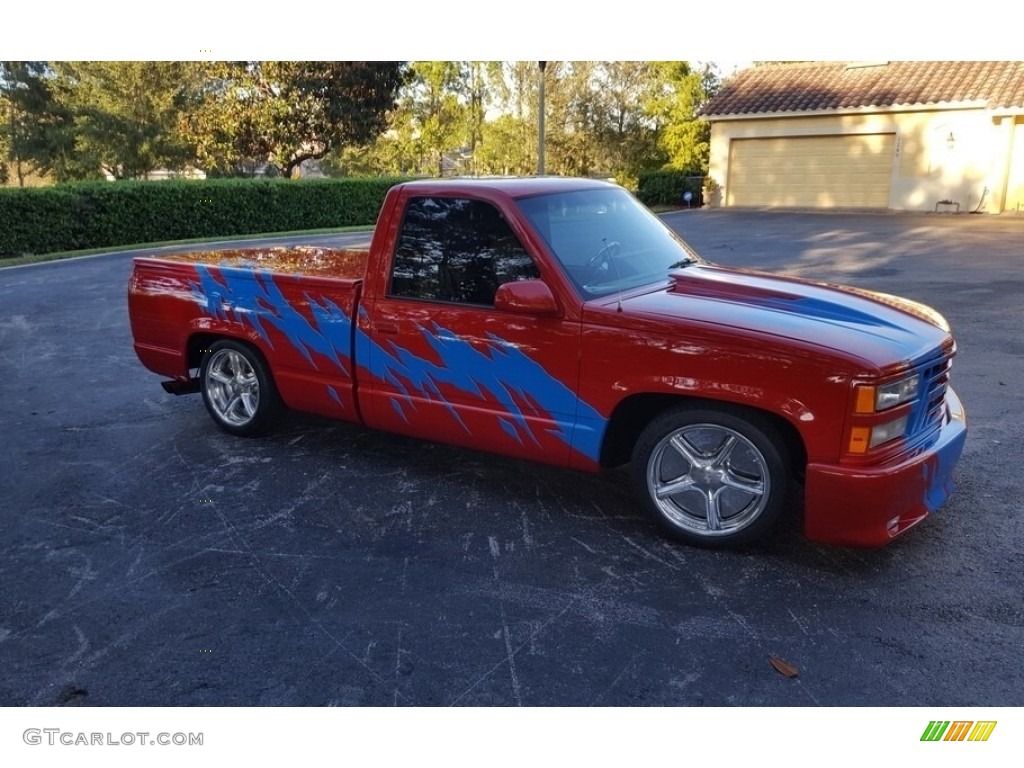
(870,506)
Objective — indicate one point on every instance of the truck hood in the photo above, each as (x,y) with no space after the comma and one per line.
(873,327)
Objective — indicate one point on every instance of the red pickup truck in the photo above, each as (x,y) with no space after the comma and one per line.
(559,320)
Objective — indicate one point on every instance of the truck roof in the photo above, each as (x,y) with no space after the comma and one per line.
(525,186)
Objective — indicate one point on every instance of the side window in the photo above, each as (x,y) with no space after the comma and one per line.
(458,250)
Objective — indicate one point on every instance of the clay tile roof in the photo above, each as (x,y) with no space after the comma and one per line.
(827,85)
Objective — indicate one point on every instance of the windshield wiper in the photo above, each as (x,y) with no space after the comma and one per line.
(682,263)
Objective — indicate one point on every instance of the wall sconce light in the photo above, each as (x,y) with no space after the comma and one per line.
(951,142)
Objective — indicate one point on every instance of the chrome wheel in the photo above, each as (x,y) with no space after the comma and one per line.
(712,477)
(709,479)
(233,387)
(238,388)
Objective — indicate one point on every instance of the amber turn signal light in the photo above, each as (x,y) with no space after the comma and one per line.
(865,402)
(860,437)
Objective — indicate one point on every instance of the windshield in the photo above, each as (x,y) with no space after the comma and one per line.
(606,240)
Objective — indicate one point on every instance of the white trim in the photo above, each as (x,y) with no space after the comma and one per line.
(938,106)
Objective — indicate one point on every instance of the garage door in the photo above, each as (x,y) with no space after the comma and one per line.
(812,171)
(1015,182)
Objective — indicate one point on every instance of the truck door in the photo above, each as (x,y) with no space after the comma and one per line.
(438,361)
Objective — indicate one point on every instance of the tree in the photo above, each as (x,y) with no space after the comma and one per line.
(507,147)
(603,118)
(574,119)
(69,120)
(484,77)
(127,114)
(284,113)
(508,141)
(38,131)
(674,106)
(629,135)
(436,107)
(439,125)
(7,114)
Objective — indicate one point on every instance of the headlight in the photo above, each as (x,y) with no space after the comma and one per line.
(870,400)
(885,396)
(896,392)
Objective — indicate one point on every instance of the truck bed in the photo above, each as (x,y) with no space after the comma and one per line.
(295,305)
(337,263)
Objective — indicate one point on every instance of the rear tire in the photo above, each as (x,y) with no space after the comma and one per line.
(238,389)
(712,476)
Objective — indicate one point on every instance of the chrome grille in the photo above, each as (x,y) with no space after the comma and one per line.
(927,414)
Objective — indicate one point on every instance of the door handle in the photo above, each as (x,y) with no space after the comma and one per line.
(389,329)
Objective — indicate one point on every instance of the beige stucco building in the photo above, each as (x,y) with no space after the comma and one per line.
(918,136)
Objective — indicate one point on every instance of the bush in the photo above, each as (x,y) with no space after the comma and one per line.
(101,214)
(667,188)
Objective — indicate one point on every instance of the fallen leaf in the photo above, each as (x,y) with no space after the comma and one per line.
(783,667)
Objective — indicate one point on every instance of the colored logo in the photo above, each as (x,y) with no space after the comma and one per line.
(958,730)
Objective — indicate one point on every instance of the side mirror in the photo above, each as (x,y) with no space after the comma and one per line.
(526,297)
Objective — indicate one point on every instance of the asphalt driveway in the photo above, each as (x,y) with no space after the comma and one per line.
(147,558)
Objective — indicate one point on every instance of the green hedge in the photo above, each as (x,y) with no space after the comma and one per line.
(101,214)
(667,188)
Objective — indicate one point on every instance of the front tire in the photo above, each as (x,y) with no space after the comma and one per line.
(712,477)
(238,390)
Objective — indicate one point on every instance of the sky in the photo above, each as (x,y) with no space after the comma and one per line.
(740,31)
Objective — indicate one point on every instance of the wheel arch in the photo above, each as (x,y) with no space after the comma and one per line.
(634,413)
(200,341)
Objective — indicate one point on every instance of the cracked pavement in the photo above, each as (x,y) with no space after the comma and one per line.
(147,558)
